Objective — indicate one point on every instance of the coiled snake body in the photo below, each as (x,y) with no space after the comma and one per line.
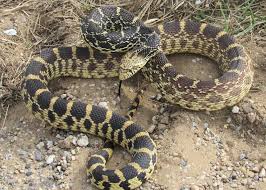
(87,62)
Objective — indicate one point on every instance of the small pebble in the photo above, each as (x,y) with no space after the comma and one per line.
(151,129)
(50,159)
(38,155)
(10,32)
(83,141)
(262,173)
(235,109)
(234,185)
(103,104)
(40,145)
(242,156)
(251,117)
(49,144)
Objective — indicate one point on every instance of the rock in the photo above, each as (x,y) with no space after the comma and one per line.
(243,156)
(183,163)
(154,120)
(162,126)
(251,117)
(74,140)
(198,2)
(255,169)
(158,97)
(28,173)
(83,141)
(244,181)
(252,186)
(194,187)
(234,185)
(66,143)
(247,108)
(234,175)
(194,124)
(10,32)
(22,153)
(40,145)
(67,156)
(103,104)
(151,129)
(262,173)
(49,144)
(205,125)
(50,159)
(229,120)
(38,155)
(235,109)
(165,120)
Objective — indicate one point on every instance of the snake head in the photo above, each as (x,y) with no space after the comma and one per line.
(135,60)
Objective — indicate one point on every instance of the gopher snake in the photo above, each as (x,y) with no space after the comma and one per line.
(87,62)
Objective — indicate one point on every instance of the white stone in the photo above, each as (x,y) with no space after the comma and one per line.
(262,173)
(50,159)
(235,109)
(83,141)
(103,104)
(10,32)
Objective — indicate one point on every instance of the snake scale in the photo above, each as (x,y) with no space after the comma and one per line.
(115,29)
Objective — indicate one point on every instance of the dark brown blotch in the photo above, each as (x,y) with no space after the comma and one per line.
(65,53)
(60,106)
(192,27)
(99,56)
(35,68)
(183,83)
(234,52)
(44,99)
(228,77)
(211,31)
(98,114)
(239,65)
(205,85)
(215,98)
(225,40)
(78,110)
(48,55)
(32,85)
(170,72)
(82,53)
(172,27)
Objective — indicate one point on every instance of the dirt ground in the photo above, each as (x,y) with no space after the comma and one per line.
(224,149)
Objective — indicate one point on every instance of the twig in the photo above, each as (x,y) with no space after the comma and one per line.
(4,122)
(8,41)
